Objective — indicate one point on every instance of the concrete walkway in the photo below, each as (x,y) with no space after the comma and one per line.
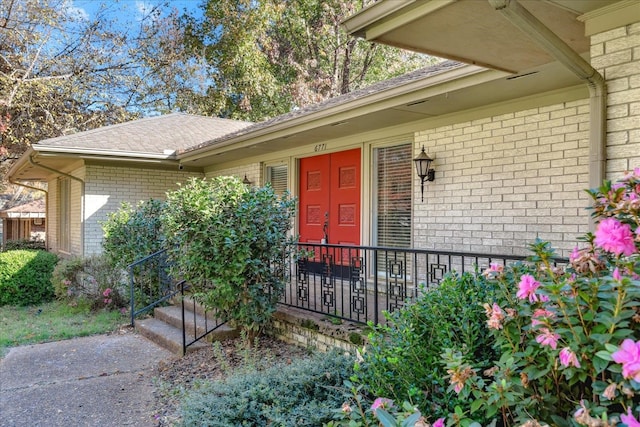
(103,380)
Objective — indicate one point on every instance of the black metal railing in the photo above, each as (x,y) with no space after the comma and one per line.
(358,283)
(152,286)
(353,283)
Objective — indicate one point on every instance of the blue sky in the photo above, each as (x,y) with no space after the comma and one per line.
(127,11)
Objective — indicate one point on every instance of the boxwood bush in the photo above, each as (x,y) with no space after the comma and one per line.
(25,277)
(302,393)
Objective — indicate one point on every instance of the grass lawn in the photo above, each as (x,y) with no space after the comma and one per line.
(51,322)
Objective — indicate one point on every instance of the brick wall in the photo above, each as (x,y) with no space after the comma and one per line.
(503,181)
(616,55)
(107,187)
(252,170)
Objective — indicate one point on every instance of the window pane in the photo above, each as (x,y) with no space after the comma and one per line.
(392,203)
(277,177)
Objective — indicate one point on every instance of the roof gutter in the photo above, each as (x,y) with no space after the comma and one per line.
(554,45)
(82,195)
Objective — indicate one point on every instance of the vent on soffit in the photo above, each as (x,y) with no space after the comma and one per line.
(520,76)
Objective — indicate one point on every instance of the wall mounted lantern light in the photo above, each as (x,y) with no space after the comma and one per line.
(246,181)
(423,161)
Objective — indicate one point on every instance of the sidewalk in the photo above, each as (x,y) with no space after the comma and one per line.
(103,380)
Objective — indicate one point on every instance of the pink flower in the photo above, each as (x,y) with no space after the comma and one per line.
(107,292)
(494,269)
(629,357)
(527,288)
(439,423)
(575,254)
(541,313)
(547,337)
(568,358)
(616,275)
(629,419)
(495,315)
(615,237)
(381,402)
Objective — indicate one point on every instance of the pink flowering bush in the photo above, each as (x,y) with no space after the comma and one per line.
(569,338)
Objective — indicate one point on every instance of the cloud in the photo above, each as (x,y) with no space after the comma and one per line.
(74,12)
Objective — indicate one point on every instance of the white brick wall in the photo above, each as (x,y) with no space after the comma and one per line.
(253,172)
(107,187)
(616,55)
(503,181)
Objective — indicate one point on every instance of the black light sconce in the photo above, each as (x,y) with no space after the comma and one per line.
(423,161)
(246,181)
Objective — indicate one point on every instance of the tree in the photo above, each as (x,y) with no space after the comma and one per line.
(62,71)
(267,57)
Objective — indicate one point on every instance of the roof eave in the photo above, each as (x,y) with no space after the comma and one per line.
(334,113)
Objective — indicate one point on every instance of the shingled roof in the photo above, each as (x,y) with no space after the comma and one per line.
(33,209)
(373,89)
(153,135)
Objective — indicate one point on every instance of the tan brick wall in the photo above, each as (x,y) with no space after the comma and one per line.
(253,172)
(503,181)
(107,187)
(616,55)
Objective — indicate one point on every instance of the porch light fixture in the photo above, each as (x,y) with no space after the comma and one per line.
(246,181)
(423,161)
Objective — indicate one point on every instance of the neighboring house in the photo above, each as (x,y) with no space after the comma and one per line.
(24,222)
(516,138)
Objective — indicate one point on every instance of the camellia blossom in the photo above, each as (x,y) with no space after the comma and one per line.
(568,358)
(546,337)
(493,270)
(629,357)
(629,419)
(615,237)
(495,316)
(439,423)
(541,313)
(616,275)
(527,288)
(107,292)
(381,402)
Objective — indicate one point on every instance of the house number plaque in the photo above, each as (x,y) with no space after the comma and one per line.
(320,147)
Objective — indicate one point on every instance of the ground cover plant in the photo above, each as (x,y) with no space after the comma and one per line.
(25,277)
(567,338)
(51,322)
(299,392)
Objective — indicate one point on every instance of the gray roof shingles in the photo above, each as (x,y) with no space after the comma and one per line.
(404,79)
(151,135)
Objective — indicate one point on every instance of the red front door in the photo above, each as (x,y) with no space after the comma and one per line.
(330,198)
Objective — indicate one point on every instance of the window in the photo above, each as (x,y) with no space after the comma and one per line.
(278,177)
(64,215)
(392,196)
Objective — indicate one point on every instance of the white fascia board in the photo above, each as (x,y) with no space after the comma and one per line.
(48,150)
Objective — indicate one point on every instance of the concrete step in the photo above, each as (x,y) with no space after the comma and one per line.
(165,328)
(196,324)
(166,335)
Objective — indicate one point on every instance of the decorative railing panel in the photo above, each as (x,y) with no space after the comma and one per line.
(357,283)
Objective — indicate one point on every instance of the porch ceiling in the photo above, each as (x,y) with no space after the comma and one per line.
(472,31)
(428,102)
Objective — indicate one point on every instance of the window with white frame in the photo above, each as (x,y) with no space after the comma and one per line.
(64,215)
(392,169)
(278,177)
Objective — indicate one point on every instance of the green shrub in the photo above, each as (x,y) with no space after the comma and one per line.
(302,393)
(25,277)
(14,245)
(132,233)
(403,360)
(230,242)
(90,278)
